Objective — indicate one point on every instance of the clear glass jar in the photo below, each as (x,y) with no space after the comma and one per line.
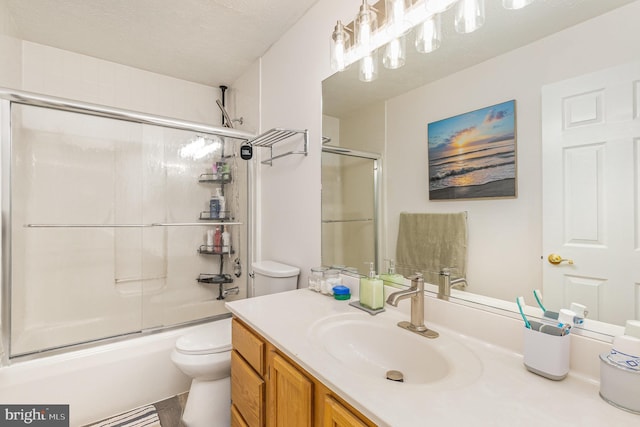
(316,277)
(331,279)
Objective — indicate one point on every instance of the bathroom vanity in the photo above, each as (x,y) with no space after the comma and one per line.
(304,355)
(268,385)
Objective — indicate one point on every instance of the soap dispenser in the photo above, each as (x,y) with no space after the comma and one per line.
(391,278)
(371,290)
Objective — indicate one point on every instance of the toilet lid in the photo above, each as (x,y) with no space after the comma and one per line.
(209,339)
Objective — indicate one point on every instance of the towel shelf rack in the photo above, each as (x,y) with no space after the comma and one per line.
(333,221)
(276,135)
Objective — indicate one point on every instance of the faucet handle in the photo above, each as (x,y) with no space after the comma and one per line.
(417,282)
(416,276)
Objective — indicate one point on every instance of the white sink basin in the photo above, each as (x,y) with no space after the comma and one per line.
(373,345)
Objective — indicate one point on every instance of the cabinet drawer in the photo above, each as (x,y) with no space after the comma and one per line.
(247,391)
(248,345)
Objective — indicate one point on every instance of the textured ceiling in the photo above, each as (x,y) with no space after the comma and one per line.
(211,42)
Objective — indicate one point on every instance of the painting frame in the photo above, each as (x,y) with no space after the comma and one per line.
(473,155)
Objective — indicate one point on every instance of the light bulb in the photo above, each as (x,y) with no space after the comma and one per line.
(366,24)
(394,53)
(469,16)
(516,4)
(429,35)
(397,23)
(339,44)
(369,67)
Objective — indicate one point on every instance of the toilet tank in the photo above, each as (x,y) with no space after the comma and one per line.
(270,277)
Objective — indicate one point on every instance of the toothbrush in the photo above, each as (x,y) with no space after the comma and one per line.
(520,302)
(538,295)
(546,313)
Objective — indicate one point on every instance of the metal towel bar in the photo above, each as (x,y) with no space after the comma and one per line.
(175,224)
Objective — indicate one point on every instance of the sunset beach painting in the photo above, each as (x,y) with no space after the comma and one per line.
(473,155)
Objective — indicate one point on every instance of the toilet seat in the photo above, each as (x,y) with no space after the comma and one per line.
(208,340)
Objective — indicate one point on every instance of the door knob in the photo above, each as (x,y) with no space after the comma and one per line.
(556,259)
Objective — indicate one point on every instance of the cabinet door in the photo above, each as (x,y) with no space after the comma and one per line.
(336,415)
(236,418)
(247,391)
(290,395)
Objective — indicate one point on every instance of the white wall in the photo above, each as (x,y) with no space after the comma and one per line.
(292,72)
(10,51)
(65,74)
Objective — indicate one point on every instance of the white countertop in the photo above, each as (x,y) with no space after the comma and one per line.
(505,393)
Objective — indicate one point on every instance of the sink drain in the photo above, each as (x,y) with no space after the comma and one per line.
(395,376)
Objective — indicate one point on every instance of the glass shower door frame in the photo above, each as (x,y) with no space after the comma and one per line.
(10,97)
(377,179)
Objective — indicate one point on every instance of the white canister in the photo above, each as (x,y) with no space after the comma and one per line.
(619,386)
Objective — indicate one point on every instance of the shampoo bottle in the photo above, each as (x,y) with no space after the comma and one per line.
(371,290)
(214,207)
(217,240)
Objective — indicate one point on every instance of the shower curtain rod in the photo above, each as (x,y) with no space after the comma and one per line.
(29,98)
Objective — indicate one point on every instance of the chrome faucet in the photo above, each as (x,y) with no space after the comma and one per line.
(223,293)
(445,284)
(416,292)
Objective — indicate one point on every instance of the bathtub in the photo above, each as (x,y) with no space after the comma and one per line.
(100,381)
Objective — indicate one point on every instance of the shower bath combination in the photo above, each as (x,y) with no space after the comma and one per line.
(101,222)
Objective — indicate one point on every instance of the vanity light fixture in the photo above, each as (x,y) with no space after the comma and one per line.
(469,16)
(339,45)
(369,67)
(366,24)
(398,17)
(429,34)
(395,53)
(396,21)
(397,25)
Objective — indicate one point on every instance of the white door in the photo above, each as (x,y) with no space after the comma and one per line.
(591,192)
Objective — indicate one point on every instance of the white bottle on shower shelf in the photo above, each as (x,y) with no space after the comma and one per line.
(226,242)
(210,240)
(223,206)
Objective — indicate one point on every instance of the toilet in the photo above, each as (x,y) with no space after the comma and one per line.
(205,354)
(270,277)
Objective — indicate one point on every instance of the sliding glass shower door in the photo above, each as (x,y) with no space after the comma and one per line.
(107,226)
(349,208)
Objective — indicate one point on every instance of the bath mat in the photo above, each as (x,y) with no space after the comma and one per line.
(145,416)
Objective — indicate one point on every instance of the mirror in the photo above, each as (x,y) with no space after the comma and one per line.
(514,56)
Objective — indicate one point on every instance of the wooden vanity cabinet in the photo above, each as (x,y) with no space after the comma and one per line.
(336,415)
(270,390)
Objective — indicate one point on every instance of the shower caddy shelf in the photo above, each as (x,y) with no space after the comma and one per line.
(209,178)
(206,216)
(203,250)
(215,279)
(276,135)
(224,218)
